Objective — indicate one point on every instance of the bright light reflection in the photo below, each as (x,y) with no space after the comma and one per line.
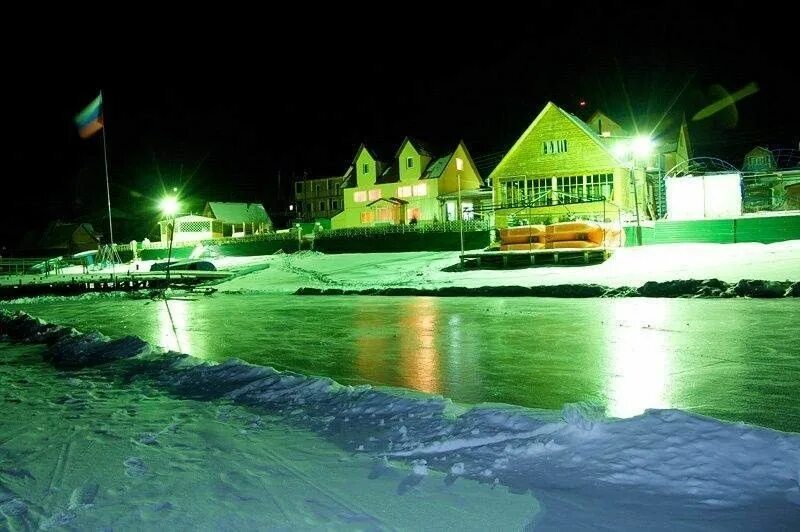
(177,339)
(639,340)
(419,358)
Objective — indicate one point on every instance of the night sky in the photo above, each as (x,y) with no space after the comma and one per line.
(222,110)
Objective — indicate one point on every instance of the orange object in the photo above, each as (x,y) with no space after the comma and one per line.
(521,247)
(571,244)
(522,234)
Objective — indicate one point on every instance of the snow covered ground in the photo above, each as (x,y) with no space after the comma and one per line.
(626,267)
(150,438)
(121,435)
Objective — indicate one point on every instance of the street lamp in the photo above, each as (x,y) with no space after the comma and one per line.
(459,168)
(169,206)
(639,148)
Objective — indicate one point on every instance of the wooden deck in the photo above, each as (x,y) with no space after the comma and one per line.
(12,286)
(537,257)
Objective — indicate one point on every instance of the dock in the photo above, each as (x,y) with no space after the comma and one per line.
(14,286)
(536,257)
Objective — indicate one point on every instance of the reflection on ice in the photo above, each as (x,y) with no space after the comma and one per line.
(639,354)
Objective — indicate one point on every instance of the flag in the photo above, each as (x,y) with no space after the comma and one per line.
(90,120)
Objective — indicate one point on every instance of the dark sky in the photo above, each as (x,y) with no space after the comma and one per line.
(221,108)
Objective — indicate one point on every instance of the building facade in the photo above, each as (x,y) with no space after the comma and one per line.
(319,198)
(564,168)
(416,187)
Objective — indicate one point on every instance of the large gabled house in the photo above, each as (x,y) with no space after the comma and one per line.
(415,187)
(562,167)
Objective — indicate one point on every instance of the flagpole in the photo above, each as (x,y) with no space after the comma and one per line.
(111,252)
(108,188)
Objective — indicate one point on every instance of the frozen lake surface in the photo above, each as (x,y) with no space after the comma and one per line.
(736,360)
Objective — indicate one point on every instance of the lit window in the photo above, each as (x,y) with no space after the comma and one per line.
(360,196)
(384,215)
(366,217)
(421,189)
(365,169)
(374,194)
(410,162)
(404,192)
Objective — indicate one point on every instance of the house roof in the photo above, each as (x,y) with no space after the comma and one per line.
(436,167)
(392,200)
(390,175)
(60,235)
(422,147)
(236,213)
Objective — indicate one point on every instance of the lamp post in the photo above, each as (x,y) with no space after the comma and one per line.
(459,168)
(639,148)
(169,206)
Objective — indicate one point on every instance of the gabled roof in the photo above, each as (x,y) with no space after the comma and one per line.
(61,235)
(758,150)
(421,147)
(586,129)
(436,167)
(390,174)
(358,153)
(392,200)
(569,116)
(236,213)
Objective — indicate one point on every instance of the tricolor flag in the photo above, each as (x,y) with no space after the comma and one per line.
(90,120)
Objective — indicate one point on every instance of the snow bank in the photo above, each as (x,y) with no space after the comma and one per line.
(677,288)
(660,455)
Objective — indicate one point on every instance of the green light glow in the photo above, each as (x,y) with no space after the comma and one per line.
(642,146)
(169,205)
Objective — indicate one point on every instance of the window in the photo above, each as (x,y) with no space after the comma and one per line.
(322,206)
(334,205)
(600,185)
(365,168)
(366,217)
(298,188)
(570,188)
(537,191)
(523,192)
(360,196)
(319,188)
(421,189)
(374,194)
(308,207)
(409,162)
(404,192)
(550,147)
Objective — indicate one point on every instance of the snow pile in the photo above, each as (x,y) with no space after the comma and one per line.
(729,263)
(663,454)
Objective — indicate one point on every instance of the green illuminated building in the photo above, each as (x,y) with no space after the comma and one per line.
(564,168)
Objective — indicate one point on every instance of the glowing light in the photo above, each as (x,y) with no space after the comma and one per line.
(642,146)
(621,150)
(169,205)
(459,164)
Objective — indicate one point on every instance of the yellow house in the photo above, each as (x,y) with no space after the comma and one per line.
(415,187)
(562,167)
